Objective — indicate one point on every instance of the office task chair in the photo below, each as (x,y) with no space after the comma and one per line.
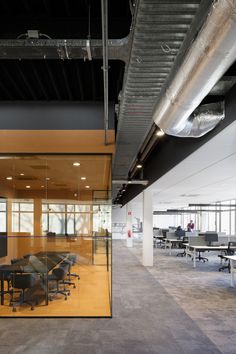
(183,254)
(5,275)
(200,258)
(67,265)
(228,252)
(59,275)
(72,258)
(22,281)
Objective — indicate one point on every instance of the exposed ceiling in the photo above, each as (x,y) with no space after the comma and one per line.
(145,39)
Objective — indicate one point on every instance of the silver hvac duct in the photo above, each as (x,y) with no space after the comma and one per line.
(203,120)
(209,56)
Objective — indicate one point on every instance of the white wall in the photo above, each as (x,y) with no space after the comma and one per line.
(119,223)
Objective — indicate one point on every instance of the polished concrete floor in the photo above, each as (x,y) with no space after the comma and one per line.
(170,308)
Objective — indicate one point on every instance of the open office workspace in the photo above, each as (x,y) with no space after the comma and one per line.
(117,118)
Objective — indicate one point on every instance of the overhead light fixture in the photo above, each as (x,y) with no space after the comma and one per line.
(47,178)
(160,133)
(87,187)
(28,187)
(76,164)
(139,165)
(9,178)
(83,178)
(22,174)
(42,186)
(123,190)
(129,182)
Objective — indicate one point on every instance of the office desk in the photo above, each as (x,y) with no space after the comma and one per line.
(160,239)
(170,241)
(191,251)
(232,259)
(41,263)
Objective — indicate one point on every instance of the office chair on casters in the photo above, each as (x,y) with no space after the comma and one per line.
(183,254)
(59,275)
(72,259)
(228,252)
(66,264)
(22,281)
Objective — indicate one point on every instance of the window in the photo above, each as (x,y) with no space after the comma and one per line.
(23,216)
(3,215)
(61,218)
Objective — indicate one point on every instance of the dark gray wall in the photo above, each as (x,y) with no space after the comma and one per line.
(54,116)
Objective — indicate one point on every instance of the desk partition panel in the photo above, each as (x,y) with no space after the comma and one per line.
(58,258)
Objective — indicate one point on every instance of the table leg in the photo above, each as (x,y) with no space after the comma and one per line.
(231,273)
(194,258)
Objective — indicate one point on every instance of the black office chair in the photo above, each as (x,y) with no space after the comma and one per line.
(183,254)
(228,252)
(73,258)
(59,276)
(67,265)
(5,275)
(22,281)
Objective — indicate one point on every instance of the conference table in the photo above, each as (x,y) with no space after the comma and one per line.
(40,263)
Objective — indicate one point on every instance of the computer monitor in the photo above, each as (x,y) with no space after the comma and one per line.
(211,237)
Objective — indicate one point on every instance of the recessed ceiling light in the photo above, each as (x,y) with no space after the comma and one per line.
(27,187)
(76,164)
(160,133)
(22,174)
(123,190)
(139,165)
(129,182)
(9,178)
(75,194)
(83,178)
(87,187)
(47,178)
(42,186)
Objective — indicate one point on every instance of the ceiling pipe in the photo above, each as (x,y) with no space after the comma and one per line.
(211,53)
(104,9)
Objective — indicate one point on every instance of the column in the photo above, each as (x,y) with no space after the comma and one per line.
(147,228)
(129,233)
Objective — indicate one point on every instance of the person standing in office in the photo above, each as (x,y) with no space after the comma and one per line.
(190,226)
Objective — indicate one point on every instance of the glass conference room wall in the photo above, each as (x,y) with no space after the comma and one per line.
(56,213)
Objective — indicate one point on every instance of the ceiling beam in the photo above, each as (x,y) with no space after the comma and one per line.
(118,49)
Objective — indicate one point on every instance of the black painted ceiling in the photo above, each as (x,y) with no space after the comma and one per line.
(68,80)
(63,18)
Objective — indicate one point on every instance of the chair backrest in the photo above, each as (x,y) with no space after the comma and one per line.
(23,280)
(60,273)
(231,247)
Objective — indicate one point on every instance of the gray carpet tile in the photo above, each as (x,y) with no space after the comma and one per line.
(148,315)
